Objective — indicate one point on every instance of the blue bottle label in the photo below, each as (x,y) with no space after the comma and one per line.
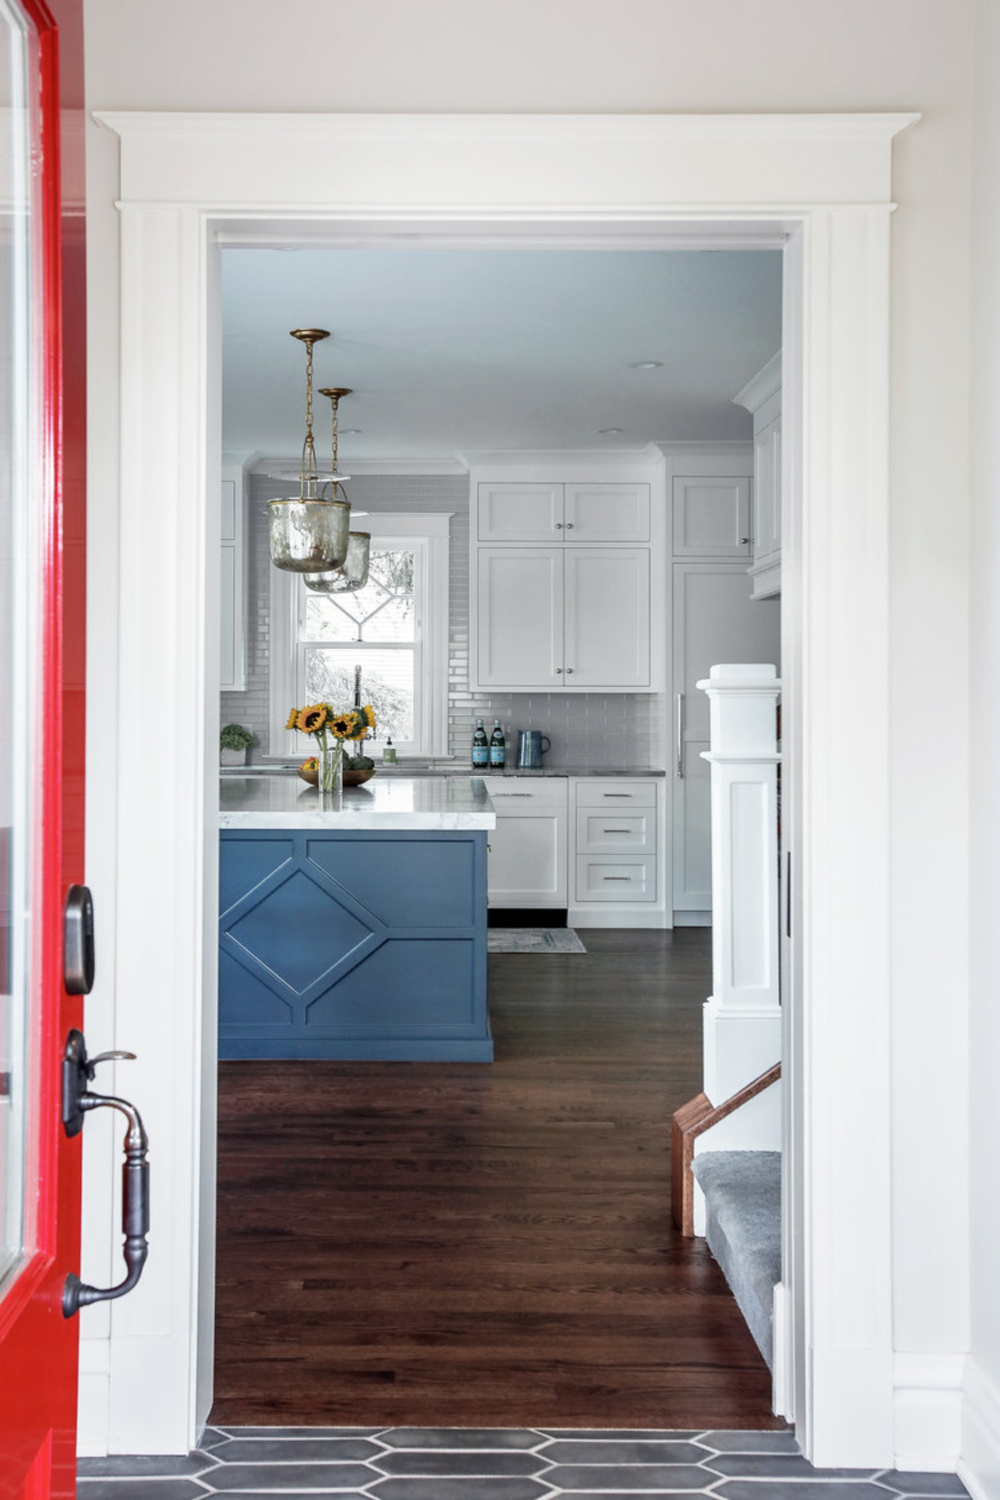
(480,755)
(497,755)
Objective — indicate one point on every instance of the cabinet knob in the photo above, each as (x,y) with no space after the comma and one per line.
(558,671)
(569,671)
(570,525)
(744,541)
(559,526)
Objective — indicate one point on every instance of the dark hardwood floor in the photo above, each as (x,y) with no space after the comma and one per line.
(464,1245)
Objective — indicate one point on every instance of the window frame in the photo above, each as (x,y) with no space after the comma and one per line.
(428,534)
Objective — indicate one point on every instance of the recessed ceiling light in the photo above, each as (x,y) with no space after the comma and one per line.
(647,364)
(350,431)
(607,431)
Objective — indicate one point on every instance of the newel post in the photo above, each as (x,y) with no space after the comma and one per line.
(742,1018)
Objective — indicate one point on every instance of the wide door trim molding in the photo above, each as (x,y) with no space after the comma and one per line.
(189,182)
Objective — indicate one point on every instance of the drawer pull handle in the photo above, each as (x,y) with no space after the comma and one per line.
(616,830)
(617,877)
(616,794)
(511,794)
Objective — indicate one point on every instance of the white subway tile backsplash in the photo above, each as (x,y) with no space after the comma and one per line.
(613,729)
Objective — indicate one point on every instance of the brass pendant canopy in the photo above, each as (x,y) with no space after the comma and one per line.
(309,534)
(354,573)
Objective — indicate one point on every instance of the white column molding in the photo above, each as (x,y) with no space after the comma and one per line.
(742,1019)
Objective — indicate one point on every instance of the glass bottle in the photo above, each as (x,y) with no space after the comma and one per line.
(498,748)
(480,748)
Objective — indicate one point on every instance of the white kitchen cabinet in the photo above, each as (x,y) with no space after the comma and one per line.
(528,860)
(711,515)
(566,619)
(716,620)
(232,646)
(557,513)
(616,853)
(762,397)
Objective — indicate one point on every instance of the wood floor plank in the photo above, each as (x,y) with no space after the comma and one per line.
(462,1245)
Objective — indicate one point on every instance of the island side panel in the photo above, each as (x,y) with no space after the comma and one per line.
(353,945)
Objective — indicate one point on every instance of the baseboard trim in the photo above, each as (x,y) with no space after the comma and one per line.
(979,1465)
(927,1411)
(617,916)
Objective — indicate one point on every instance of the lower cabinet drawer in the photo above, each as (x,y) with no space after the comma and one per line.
(616,880)
(614,831)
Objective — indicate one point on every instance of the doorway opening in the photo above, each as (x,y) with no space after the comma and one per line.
(449,1248)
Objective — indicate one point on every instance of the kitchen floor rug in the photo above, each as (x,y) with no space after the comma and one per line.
(534,940)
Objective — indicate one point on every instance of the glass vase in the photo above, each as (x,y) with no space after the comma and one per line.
(330,769)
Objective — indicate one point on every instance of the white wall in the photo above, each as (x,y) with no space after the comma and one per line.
(981,1439)
(669,55)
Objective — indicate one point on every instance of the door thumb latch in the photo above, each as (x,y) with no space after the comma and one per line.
(77,1071)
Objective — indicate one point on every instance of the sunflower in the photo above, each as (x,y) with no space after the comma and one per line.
(342,727)
(292,719)
(312,719)
(368,714)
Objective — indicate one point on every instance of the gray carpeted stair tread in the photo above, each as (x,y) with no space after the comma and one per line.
(743,1228)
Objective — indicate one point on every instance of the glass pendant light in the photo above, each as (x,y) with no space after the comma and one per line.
(309,534)
(353,572)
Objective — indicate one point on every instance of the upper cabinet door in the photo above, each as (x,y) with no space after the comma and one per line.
(607,618)
(606,513)
(520,513)
(767,489)
(520,617)
(711,517)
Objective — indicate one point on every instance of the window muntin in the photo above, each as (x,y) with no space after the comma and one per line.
(377,629)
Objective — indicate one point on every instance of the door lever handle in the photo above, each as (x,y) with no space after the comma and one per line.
(77,1100)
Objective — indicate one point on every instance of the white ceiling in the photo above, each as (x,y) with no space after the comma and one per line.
(466,351)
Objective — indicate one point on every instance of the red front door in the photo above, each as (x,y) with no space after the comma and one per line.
(41,728)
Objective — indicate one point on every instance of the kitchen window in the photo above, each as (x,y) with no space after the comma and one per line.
(395,629)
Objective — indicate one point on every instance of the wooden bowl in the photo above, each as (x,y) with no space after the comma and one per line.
(351,778)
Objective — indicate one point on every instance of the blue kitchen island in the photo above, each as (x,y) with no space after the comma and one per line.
(354,931)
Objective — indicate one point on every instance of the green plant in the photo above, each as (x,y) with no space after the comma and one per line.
(235,737)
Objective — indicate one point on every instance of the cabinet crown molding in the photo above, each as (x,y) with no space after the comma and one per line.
(765,384)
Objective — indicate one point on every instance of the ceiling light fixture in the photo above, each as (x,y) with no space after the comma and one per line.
(609,431)
(647,364)
(307,533)
(353,572)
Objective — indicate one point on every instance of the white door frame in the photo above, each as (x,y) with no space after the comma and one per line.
(821,184)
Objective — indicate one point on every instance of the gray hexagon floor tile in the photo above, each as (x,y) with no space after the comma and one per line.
(923,1484)
(295,1450)
(626,1434)
(629,1477)
(131,1488)
(136,1466)
(725,1441)
(295,1476)
(428,1463)
(461,1437)
(800,1489)
(458,1489)
(620,1451)
(778,1466)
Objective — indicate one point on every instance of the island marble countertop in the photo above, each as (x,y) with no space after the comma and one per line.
(446,803)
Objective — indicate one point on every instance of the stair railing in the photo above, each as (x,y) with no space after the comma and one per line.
(691,1121)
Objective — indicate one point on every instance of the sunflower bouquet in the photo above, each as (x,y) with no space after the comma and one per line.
(331,730)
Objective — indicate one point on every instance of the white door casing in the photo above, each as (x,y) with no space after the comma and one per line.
(189,182)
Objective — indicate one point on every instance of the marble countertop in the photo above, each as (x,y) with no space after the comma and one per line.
(445,803)
(459,768)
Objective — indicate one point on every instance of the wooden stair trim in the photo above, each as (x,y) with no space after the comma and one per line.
(691,1121)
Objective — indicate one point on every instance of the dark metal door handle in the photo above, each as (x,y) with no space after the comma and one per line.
(77,1100)
(78,941)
